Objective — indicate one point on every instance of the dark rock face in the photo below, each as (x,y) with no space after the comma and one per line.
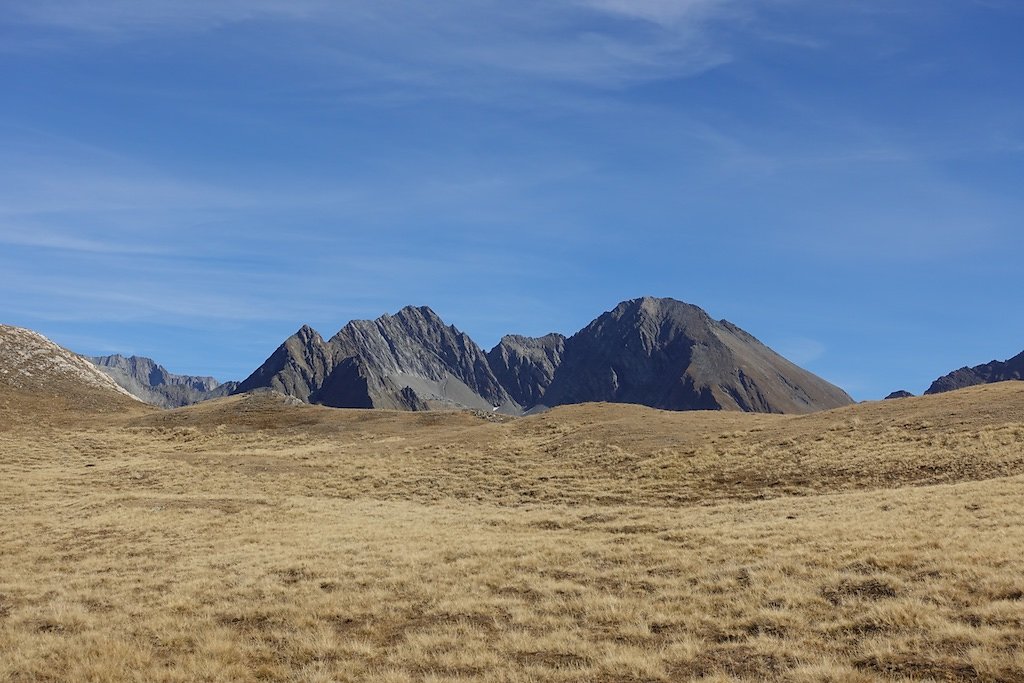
(152,383)
(348,385)
(297,368)
(407,361)
(656,352)
(525,366)
(996,371)
(671,355)
(902,393)
(414,349)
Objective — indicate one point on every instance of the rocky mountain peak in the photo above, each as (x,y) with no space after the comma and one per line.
(407,360)
(669,354)
(298,367)
(425,313)
(654,351)
(306,334)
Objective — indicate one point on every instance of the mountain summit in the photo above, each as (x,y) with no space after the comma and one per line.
(668,354)
(298,367)
(661,353)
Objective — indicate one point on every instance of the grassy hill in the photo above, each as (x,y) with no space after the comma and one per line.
(251,539)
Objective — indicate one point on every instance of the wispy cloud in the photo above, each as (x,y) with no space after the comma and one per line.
(46,174)
(800,350)
(607,43)
(109,17)
(667,13)
(33,237)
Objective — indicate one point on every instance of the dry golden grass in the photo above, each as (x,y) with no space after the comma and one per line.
(248,540)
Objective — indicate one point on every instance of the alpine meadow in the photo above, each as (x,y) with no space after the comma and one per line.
(511,341)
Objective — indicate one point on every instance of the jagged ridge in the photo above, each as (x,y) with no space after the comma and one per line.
(152,383)
(995,371)
(657,352)
(407,361)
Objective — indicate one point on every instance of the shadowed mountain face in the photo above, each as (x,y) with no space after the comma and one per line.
(671,355)
(996,371)
(152,383)
(299,367)
(525,366)
(656,352)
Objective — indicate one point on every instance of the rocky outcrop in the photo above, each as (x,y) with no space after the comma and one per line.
(525,366)
(152,383)
(902,393)
(995,371)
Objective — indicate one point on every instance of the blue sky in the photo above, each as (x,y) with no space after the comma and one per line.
(193,180)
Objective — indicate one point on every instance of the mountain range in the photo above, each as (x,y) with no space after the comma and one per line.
(661,353)
(152,383)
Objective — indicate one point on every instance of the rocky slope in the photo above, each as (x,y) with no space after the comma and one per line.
(995,371)
(152,383)
(414,351)
(407,361)
(656,352)
(667,354)
(525,366)
(38,377)
(299,367)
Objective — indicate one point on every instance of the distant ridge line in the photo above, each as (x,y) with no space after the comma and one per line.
(658,352)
